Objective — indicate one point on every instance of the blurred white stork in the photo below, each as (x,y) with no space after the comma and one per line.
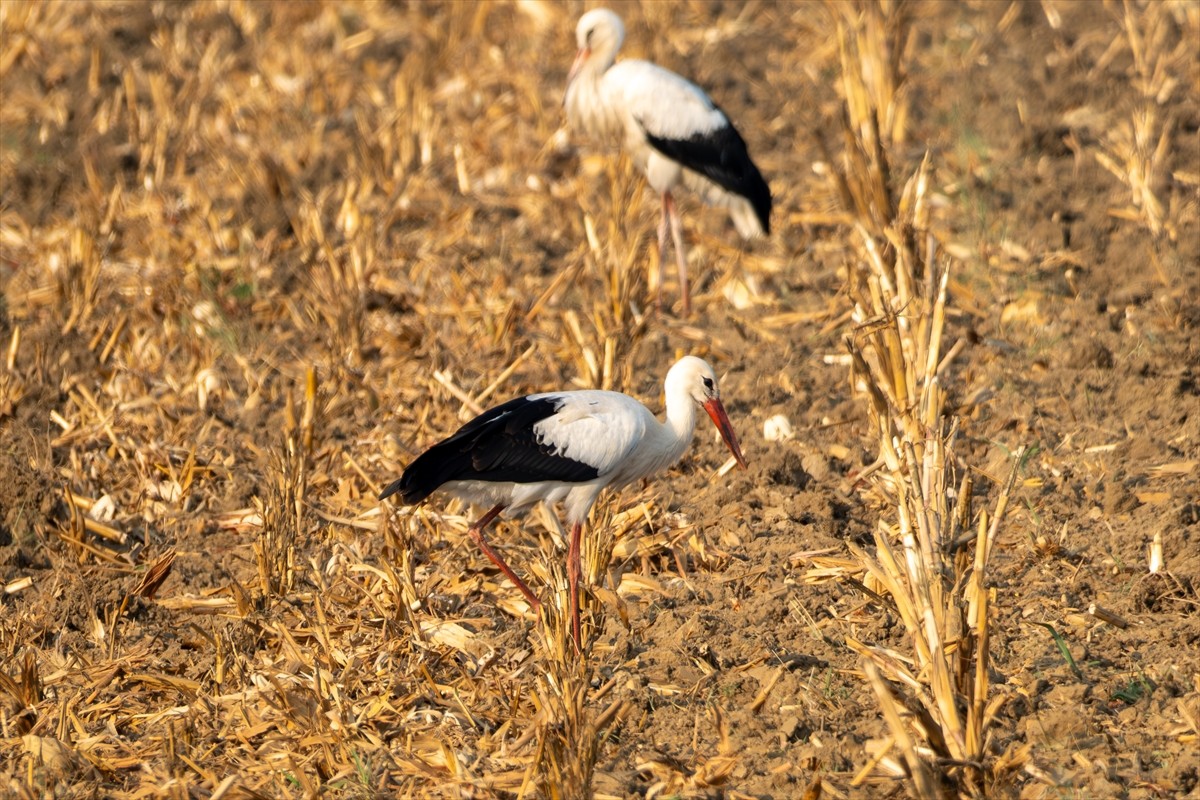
(568,447)
(673,131)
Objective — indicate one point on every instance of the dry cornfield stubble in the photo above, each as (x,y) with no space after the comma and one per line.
(256,256)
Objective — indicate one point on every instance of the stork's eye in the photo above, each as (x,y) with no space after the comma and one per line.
(708,384)
(588,37)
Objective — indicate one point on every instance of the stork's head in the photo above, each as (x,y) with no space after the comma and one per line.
(693,377)
(599,36)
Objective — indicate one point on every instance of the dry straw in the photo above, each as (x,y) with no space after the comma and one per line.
(931,556)
(1161,40)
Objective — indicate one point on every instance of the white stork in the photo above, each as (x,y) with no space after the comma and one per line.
(673,131)
(564,446)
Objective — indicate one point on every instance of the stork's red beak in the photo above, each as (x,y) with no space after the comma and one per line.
(717,412)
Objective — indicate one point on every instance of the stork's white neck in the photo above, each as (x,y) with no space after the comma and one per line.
(681,417)
(586,108)
(587,104)
(676,432)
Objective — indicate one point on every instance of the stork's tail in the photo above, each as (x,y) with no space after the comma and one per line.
(750,220)
(749,204)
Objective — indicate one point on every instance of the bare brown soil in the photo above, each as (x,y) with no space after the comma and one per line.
(200,204)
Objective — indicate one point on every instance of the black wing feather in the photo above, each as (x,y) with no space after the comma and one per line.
(498,445)
(722,157)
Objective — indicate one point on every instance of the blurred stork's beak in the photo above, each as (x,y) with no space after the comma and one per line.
(716,411)
(577,65)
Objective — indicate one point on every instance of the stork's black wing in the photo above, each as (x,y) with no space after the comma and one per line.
(499,445)
(721,156)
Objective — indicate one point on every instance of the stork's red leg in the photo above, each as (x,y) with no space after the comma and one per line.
(574,571)
(680,253)
(664,227)
(476,533)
